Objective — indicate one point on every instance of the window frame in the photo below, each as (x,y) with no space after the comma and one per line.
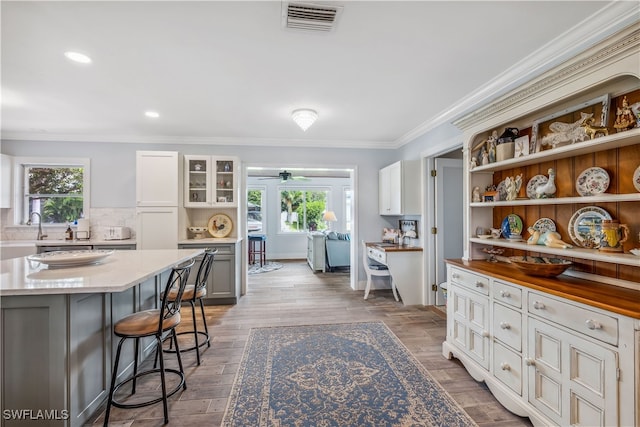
(303,189)
(20,165)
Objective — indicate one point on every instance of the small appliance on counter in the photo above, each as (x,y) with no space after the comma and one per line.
(83,231)
(116,233)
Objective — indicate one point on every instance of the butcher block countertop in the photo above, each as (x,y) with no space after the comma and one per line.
(607,297)
(392,247)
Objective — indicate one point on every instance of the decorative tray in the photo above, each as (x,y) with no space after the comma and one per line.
(58,259)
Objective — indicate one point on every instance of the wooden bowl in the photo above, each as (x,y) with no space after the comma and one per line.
(540,266)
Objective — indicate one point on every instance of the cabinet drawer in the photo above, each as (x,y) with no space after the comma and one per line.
(507,367)
(507,326)
(469,280)
(591,323)
(377,255)
(507,294)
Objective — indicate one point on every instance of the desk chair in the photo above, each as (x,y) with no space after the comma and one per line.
(151,323)
(375,269)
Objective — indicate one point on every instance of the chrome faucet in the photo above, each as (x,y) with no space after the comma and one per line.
(40,235)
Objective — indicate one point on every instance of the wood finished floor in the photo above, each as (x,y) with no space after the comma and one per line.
(296,296)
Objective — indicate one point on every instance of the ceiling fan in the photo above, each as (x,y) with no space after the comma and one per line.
(285,176)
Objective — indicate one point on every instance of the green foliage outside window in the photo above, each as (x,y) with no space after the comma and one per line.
(55,192)
(307,206)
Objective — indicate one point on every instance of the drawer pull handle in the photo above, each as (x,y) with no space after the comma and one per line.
(529,362)
(505,366)
(538,305)
(485,334)
(479,284)
(455,276)
(505,325)
(592,324)
(505,294)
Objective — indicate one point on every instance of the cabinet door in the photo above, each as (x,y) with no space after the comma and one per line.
(470,325)
(225,181)
(222,280)
(156,178)
(384,192)
(395,189)
(157,228)
(197,181)
(571,380)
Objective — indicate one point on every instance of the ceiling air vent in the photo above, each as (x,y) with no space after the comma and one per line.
(310,16)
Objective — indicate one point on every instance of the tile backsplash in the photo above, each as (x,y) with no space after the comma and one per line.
(99,218)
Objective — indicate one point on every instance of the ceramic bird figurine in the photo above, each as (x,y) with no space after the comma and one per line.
(548,189)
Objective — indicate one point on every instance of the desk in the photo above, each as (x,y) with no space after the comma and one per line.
(57,339)
(405,266)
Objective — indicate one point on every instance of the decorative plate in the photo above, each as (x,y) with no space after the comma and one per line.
(502,191)
(511,224)
(70,258)
(534,183)
(585,226)
(636,178)
(544,224)
(592,181)
(220,225)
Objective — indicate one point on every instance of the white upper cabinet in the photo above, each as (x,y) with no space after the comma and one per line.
(210,181)
(156,178)
(399,188)
(6,180)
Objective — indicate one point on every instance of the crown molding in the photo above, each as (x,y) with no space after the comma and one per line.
(611,19)
(229,141)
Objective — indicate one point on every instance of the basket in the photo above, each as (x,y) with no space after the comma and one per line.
(540,266)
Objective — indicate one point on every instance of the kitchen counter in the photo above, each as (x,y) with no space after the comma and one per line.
(64,319)
(116,273)
(210,240)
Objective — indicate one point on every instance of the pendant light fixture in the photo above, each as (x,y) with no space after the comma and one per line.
(304,118)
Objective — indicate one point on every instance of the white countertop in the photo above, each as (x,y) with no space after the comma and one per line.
(116,273)
(210,240)
(53,242)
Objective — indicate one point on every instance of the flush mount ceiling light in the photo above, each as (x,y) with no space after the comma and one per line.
(78,57)
(304,118)
(152,114)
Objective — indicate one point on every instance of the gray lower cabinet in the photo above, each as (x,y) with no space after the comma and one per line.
(131,247)
(223,285)
(67,343)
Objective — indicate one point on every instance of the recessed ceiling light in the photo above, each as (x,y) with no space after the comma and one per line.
(78,57)
(152,114)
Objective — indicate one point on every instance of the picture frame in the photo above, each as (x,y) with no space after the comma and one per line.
(521,146)
(489,196)
(599,107)
(408,228)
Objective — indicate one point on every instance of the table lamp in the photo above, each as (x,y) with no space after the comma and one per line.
(329,217)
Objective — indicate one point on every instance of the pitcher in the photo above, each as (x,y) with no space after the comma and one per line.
(613,235)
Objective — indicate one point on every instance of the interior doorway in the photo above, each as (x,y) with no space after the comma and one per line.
(285,203)
(444,203)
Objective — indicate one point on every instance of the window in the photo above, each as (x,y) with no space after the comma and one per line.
(255,196)
(301,210)
(348,206)
(56,191)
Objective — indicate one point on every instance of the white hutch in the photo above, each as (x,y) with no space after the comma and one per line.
(565,350)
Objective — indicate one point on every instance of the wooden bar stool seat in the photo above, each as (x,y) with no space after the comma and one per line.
(257,248)
(155,323)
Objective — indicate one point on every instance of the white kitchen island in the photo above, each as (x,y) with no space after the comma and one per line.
(57,341)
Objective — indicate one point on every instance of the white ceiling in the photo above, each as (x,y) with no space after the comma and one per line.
(227,72)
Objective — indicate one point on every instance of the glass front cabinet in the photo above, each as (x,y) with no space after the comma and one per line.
(210,181)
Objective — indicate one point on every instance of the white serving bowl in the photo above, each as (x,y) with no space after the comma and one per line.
(636,252)
(484,236)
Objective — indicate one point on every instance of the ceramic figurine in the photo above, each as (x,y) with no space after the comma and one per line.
(513,186)
(474,162)
(625,119)
(485,157)
(548,189)
(566,132)
(475,195)
(550,239)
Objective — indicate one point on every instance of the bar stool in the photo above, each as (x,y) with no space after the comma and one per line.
(193,293)
(258,247)
(151,323)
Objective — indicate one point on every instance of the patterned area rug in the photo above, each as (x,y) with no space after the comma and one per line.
(269,266)
(356,374)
